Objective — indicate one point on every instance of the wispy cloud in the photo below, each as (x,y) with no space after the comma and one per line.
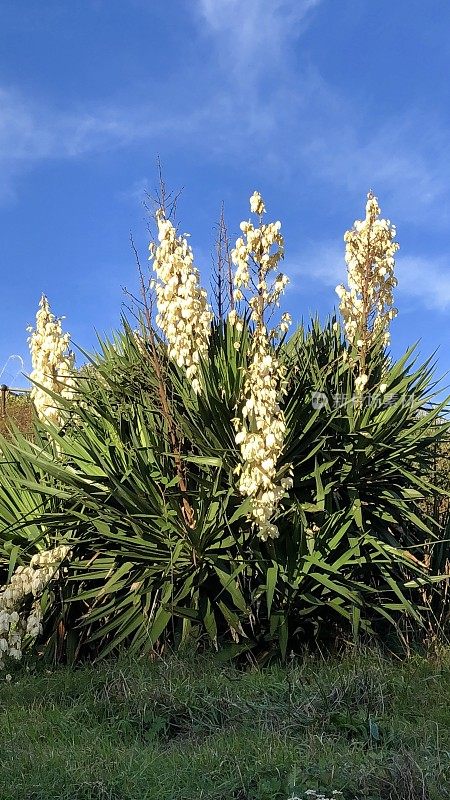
(137,192)
(304,123)
(32,132)
(29,131)
(423,280)
(322,262)
(255,33)
(258,92)
(405,158)
(427,280)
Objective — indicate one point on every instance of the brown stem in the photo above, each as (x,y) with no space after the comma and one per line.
(365,308)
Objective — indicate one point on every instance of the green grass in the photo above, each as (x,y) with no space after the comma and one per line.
(190,728)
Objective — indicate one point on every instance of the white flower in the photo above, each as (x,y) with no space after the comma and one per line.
(367,305)
(183,312)
(360,382)
(15,624)
(370,248)
(256,205)
(264,246)
(52,362)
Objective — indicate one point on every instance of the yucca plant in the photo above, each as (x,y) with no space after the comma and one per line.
(143,478)
(352,536)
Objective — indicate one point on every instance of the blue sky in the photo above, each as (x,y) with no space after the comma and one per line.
(312,102)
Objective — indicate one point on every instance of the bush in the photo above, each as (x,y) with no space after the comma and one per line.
(142,481)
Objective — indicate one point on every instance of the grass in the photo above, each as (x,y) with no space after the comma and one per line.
(190,728)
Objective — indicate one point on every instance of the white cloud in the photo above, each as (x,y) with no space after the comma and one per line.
(254,22)
(299,126)
(137,192)
(29,131)
(252,34)
(317,261)
(408,168)
(32,132)
(305,126)
(425,279)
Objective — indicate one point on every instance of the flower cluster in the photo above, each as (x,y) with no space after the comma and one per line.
(52,363)
(183,312)
(261,428)
(260,433)
(367,305)
(260,251)
(15,624)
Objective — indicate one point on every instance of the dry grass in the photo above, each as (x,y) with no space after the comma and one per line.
(19,412)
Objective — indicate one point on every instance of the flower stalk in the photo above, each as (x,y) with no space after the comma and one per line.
(52,364)
(367,305)
(260,427)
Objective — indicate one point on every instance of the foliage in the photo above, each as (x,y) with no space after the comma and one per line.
(352,533)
